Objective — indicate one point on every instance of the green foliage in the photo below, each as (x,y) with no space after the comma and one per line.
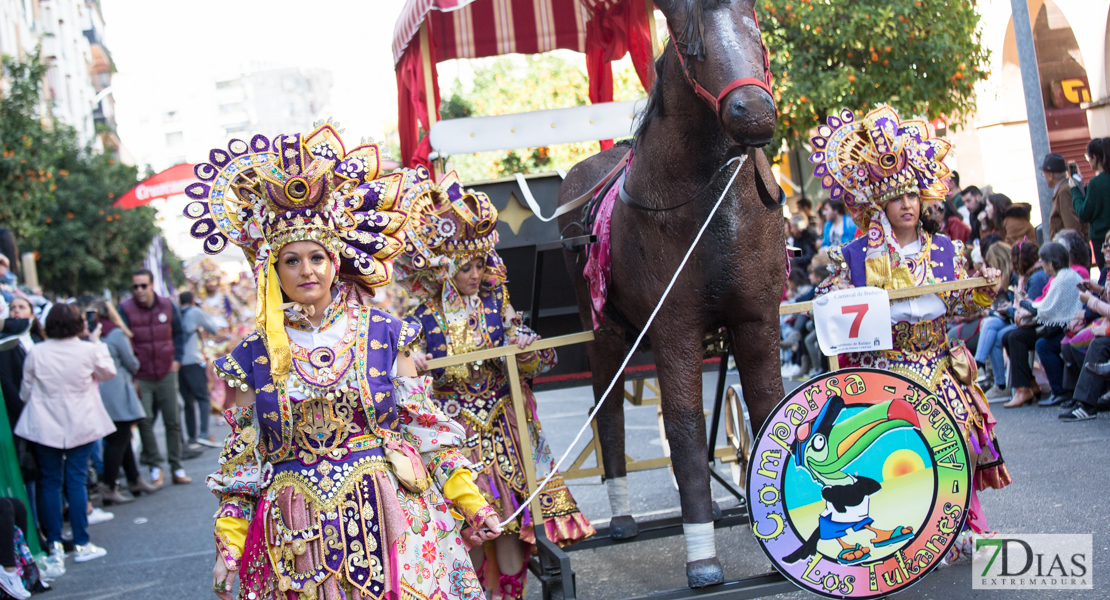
(28,150)
(102,245)
(57,196)
(504,86)
(923,57)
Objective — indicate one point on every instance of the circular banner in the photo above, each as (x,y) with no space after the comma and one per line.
(858,484)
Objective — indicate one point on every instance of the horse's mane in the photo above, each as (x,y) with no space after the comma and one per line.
(693,37)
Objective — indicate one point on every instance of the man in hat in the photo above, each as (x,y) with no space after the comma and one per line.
(1054,169)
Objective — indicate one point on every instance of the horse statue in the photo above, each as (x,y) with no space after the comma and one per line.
(711,101)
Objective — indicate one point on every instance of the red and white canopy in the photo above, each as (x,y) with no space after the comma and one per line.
(603,29)
(170,182)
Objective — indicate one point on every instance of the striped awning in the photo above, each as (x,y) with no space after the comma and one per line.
(476,28)
(602,29)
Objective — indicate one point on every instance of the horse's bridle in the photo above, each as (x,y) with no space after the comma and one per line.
(714,102)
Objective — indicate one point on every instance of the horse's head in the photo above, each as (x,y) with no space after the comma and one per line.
(723,56)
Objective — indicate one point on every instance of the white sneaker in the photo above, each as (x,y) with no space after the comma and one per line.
(13,585)
(99,515)
(209,443)
(54,564)
(88,552)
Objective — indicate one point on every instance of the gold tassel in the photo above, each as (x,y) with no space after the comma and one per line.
(271,319)
(901,278)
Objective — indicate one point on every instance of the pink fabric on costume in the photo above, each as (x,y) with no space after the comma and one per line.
(598,265)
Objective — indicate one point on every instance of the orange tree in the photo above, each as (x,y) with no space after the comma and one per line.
(28,149)
(923,57)
(56,194)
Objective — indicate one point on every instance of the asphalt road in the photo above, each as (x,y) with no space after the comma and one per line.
(160,547)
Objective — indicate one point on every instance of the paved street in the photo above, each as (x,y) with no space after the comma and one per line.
(1059,469)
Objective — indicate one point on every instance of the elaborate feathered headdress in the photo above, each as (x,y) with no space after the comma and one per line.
(865,163)
(448,227)
(265,194)
(868,162)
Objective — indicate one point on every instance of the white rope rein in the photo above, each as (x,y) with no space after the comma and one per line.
(639,338)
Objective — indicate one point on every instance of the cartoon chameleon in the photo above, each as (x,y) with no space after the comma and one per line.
(825,448)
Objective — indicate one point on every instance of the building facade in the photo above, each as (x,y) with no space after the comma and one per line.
(993,147)
(168,124)
(70,34)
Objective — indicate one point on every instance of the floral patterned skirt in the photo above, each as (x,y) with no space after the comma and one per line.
(499,474)
(423,556)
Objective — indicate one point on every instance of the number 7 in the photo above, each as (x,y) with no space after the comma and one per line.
(860,310)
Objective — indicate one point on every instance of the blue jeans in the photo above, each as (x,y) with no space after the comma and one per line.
(1048,350)
(72,465)
(990,347)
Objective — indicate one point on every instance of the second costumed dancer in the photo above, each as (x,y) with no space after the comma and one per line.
(450,264)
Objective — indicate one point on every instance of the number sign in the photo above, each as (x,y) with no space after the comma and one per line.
(853,320)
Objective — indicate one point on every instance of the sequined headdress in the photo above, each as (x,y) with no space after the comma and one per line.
(448,227)
(265,194)
(868,162)
(200,271)
(865,163)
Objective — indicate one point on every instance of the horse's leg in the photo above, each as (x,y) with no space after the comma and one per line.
(678,357)
(756,350)
(606,352)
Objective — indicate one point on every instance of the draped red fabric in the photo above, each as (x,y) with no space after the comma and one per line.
(412,106)
(611,32)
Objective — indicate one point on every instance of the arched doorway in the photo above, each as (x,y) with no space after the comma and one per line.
(1064,84)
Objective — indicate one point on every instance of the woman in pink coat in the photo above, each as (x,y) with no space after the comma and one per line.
(63,416)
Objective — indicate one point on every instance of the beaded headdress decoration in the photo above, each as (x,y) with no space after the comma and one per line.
(868,162)
(203,270)
(448,227)
(266,193)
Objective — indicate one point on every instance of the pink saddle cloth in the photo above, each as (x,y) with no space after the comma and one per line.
(598,264)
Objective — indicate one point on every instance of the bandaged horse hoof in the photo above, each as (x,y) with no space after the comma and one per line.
(704,573)
(623,528)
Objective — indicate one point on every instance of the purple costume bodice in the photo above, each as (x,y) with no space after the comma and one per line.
(942,259)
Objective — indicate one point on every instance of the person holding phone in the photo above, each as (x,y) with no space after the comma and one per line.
(1093,204)
(1090,383)
(64,415)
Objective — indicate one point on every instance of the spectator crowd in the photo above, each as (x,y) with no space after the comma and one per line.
(1050,323)
(84,382)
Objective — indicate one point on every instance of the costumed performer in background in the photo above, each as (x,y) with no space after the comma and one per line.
(336,478)
(450,264)
(207,280)
(884,170)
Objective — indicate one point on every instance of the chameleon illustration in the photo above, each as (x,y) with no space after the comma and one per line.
(825,448)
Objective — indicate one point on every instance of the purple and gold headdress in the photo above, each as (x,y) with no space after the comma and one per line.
(448,227)
(865,163)
(265,194)
(868,162)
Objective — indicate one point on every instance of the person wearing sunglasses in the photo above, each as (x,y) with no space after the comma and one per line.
(159,343)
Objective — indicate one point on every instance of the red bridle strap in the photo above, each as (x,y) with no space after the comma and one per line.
(714,102)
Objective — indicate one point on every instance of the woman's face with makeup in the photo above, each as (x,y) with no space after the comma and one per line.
(306,272)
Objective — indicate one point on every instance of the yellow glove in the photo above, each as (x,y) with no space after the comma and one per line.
(231,536)
(462,492)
